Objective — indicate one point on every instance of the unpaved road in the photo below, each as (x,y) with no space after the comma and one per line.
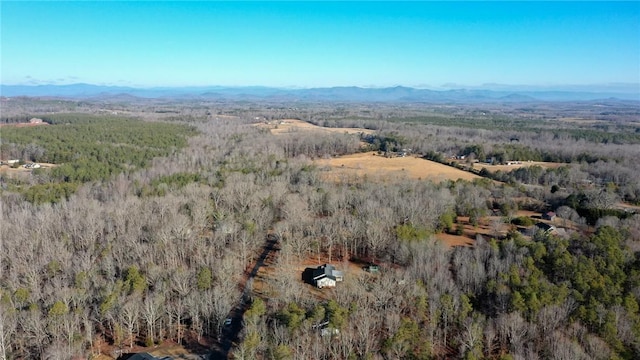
(230,334)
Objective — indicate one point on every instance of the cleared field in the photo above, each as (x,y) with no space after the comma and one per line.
(377,167)
(21,172)
(19,125)
(576,120)
(507,168)
(451,240)
(293,125)
(488,227)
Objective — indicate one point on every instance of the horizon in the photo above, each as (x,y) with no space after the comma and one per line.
(432,45)
(627,88)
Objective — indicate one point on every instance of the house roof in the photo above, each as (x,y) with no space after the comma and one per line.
(326,270)
(545,227)
(140,356)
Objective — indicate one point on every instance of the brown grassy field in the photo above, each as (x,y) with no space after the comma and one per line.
(507,168)
(19,125)
(577,120)
(380,168)
(293,125)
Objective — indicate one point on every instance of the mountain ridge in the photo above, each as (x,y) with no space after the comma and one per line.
(337,93)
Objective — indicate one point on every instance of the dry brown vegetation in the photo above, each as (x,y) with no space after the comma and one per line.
(380,168)
(294,125)
(493,168)
(19,125)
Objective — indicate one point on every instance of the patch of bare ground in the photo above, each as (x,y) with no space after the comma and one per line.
(279,127)
(23,169)
(451,240)
(29,124)
(529,213)
(286,275)
(192,350)
(381,168)
(21,172)
(488,227)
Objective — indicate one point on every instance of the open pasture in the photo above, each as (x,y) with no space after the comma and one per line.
(378,167)
(516,165)
(279,127)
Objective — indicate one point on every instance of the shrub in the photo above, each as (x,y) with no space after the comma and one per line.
(522,221)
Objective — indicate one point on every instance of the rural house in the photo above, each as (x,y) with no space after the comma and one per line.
(323,276)
(549,215)
(138,356)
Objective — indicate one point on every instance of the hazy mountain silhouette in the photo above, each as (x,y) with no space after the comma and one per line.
(339,94)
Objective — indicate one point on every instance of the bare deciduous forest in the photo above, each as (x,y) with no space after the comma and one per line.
(184,222)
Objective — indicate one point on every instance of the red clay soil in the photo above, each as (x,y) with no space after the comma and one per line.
(190,346)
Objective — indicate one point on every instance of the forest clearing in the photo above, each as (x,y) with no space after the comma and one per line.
(377,167)
(285,126)
(21,172)
(516,165)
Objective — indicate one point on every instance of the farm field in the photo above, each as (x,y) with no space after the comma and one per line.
(506,168)
(278,127)
(21,125)
(381,168)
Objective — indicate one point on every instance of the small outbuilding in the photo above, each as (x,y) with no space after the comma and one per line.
(549,215)
(372,268)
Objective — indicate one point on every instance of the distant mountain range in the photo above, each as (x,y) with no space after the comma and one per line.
(337,94)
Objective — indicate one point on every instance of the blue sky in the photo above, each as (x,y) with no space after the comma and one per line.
(316,44)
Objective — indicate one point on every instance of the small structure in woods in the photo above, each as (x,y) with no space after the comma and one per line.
(549,215)
(372,268)
(547,228)
(138,356)
(323,276)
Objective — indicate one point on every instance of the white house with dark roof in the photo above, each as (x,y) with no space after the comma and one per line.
(326,276)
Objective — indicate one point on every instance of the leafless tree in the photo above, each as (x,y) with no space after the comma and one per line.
(130,314)
(7,330)
(151,314)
